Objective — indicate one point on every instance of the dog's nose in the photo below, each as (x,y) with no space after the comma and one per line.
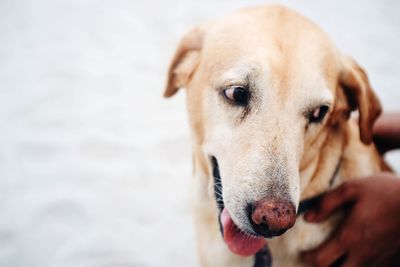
(272,217)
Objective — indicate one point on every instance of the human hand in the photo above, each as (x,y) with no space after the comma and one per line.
(386,132)
(369,233)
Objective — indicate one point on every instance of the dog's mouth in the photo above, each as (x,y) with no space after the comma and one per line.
(238,241)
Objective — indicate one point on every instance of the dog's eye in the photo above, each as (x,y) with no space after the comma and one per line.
(238,95)
(318,114)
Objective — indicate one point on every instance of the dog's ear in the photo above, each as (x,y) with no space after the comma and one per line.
(184,62)
(357,89)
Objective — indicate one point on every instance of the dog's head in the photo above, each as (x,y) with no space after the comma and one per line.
(266,93)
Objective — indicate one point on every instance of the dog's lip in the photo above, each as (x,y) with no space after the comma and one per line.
(217,184)
(219,197)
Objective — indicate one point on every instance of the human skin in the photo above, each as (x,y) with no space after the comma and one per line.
(369,233)
(387,132)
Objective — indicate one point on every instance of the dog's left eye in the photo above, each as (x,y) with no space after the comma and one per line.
(318,114)
(238,95)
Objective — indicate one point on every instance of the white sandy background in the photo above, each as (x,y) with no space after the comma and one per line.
(94,164)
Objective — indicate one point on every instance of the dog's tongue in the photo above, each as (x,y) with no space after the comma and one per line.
(239,242)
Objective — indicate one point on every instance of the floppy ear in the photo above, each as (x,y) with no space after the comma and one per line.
(185,61)
(354,82)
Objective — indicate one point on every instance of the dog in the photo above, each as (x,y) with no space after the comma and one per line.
(269,99)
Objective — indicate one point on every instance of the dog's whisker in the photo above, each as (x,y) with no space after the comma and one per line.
(218,193)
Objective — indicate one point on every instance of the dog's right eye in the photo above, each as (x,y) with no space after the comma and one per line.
(238,95)
(318,114)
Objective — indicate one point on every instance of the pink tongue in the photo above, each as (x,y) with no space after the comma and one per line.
(239,242)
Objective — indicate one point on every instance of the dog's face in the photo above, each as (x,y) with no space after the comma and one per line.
(265,90)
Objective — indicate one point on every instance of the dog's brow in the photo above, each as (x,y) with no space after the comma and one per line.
(325,98)
(314,104)
(244,76)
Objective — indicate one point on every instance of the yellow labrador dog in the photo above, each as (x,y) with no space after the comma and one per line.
(269,100)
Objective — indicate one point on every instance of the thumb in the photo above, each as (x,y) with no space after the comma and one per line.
(331,202)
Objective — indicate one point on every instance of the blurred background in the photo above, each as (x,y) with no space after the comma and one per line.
(94,164)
